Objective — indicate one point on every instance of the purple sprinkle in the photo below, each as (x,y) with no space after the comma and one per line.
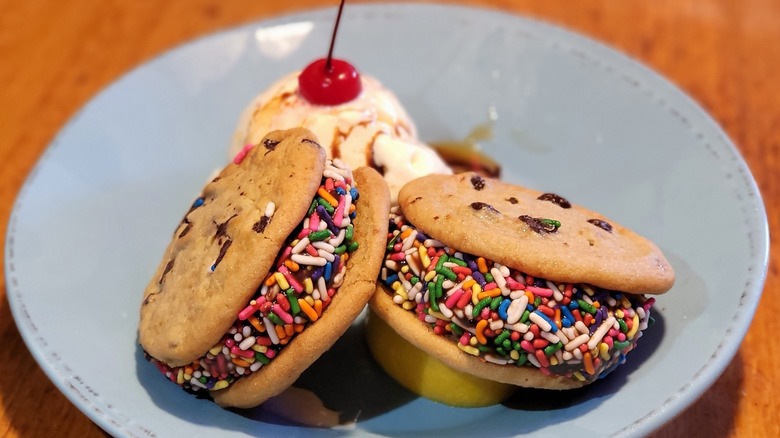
(336,261)
(323,214)
(478,276)
(317,272)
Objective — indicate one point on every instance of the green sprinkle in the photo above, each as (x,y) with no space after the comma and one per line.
(456,329)
(414,280)
(501,352)
(522,359)
(502,337)
(275,319)
(552,348)
(623,326)
(480,305)
(516,345)
(389,244)
(203,379)
(448,273)
(489,277)
(484,348)
(525,316)
(458,261)
(550,224)
(262,358)
(325,204)
(340,249)
(432,296)
(353,246)
(496,302)
(440,263)
(316,236)
(507,344)
(294,307)
(350,233)
(621,345)
(586,307)
(312,207)
(537,301)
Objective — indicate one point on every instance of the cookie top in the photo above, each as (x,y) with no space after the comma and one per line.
(359,284)
(226,244)
(540,234)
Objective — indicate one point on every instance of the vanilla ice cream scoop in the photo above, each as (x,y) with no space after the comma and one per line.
(370,130)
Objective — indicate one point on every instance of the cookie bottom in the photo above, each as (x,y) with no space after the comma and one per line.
(426,376)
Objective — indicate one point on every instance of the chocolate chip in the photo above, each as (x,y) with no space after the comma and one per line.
(186,228)
(604,225)
(222,228)
(540,225)
(512,200)
(555,199)
(222,250)
(481,205)
(478,182)
(270,144)
(167,269)
(259,227)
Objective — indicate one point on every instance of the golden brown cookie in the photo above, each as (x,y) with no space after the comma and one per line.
(359,284)
(226,243)
(513,285)
(541,234)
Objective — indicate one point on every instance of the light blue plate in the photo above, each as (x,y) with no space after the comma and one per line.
(573,117)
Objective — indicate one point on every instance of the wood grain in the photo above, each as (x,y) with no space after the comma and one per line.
(55,56)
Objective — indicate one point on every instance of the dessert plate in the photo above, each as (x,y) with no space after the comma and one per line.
(568,115)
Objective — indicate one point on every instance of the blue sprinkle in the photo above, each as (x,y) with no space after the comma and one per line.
(354,193)
(391,279)
(502,308)
(341,191)
(549,321)
(328,270)
(213,267)
(566,314)
(573,305)
(198,202)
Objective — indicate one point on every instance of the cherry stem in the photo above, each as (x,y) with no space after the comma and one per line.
(328,66)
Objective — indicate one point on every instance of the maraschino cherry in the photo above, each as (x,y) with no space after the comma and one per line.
(330,81)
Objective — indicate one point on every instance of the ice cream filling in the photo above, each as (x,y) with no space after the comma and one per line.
(507,317)
(307,274)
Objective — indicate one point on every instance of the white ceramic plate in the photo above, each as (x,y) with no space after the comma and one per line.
(574,117)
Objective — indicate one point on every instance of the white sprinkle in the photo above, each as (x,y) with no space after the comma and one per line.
(197,374)
(518,327)
(238,337)
(550,337)
(302,259)
(528,336)
(495,359)
(255,366)
(324,246)
(464,326)
(411,261)
(271,330)
(581,327)
(445,311)
(247,343)
(430,319)
(541,322)
(300,320)
(516,309)
(338,279)
(336,241)
(532,358)
(576,342)
(567,356)
(576,352)
(515,294)
(432,243)
(297,249)
(196,382)
(328,173)
(240,370)
(270,208)
(323,288)
(598,335)
(409,241)
(497,324)
(398,299)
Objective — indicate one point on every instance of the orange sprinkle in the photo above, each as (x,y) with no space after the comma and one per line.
(531,297)
(468,284)
(270,281)
(587,360)
(257,324)
(481,326)
(240,362)
(280,331)
(482,265)
(288,329)
(318,306)
(327,196)
(308,310)
(405,233)
(557,317)
(352,208)
(298,328)
(292,265)
(492,293)
(188,369)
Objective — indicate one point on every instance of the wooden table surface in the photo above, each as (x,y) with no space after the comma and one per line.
(55,56)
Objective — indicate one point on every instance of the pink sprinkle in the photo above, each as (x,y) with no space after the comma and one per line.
(453,299)
(263,340)
(545,371)
(338,215)
(525,345)
(540,291)
(514,285)
(291,279)
(329,184)
(485,314)
(242,353)
(249,310)
(311,250)
(608,341)
(464,339)
(490,286)
(612,332)
(621,337)
(314,221)
(241,155)
(229,342)
(303,233)
(284,316)
(270,353)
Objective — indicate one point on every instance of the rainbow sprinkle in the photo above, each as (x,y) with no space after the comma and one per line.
(308,272)
(507,317)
